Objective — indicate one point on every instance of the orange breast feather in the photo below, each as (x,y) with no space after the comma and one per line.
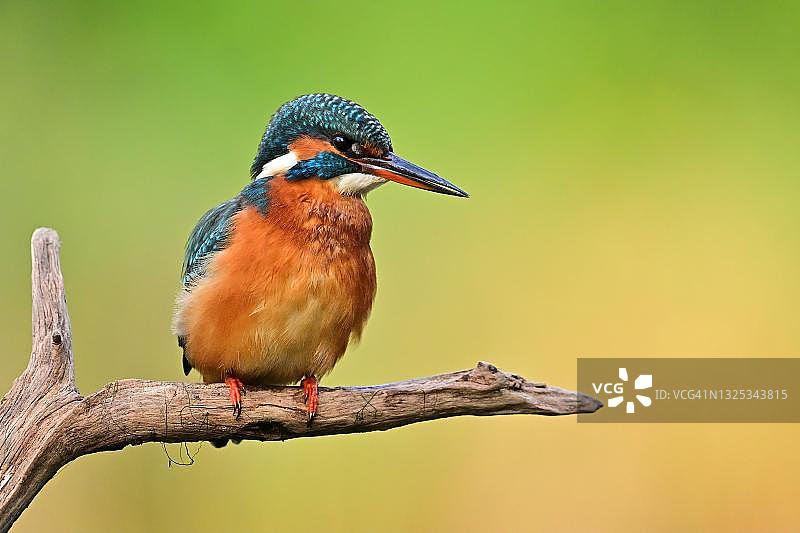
(290,291)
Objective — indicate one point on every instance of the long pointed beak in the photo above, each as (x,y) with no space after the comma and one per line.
(397,169)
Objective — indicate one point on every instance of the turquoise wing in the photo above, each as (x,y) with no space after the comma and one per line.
(210,235)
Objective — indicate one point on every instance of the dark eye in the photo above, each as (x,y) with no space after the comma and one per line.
(341,143)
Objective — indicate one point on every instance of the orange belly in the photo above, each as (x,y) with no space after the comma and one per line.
(287,295)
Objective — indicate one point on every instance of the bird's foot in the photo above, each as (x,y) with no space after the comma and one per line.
(311,391)
(236,387)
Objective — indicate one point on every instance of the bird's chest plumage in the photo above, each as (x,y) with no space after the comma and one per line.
(289,292)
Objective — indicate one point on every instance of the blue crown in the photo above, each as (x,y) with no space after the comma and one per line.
(318,115)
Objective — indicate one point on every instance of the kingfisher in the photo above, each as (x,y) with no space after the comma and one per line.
(280,279)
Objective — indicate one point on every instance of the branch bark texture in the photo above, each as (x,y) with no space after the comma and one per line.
(45,423)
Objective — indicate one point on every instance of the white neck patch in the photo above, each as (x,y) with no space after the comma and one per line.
(356,184)
(278,165)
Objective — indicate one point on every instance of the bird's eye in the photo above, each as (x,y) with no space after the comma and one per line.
(341,143)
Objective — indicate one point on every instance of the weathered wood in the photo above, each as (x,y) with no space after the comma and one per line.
(45,423)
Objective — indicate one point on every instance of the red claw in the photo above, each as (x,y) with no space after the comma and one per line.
(311,391)
(236,387)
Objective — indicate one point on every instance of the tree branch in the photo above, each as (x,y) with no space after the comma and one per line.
(45,423)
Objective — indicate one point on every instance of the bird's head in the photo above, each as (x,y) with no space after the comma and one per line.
(322,136)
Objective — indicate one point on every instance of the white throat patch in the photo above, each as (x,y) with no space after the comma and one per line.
(278,165)
(356,184)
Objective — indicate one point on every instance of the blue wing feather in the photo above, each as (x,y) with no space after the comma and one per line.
(209,236)
(213,230)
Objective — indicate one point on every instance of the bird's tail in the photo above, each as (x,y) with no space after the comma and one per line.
(187,366)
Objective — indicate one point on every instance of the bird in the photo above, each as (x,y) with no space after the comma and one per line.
(280,279)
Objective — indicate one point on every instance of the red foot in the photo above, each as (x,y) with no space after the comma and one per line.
(309,384)
(236,387)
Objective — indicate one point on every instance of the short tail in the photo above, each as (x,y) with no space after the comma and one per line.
(187,366)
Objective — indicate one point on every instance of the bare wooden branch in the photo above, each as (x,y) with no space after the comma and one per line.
(45,423)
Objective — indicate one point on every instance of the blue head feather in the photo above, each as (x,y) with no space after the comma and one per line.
(322,116)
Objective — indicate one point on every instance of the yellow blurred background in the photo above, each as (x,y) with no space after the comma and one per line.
(634,172)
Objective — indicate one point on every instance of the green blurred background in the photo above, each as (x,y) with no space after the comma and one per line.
(634,171)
